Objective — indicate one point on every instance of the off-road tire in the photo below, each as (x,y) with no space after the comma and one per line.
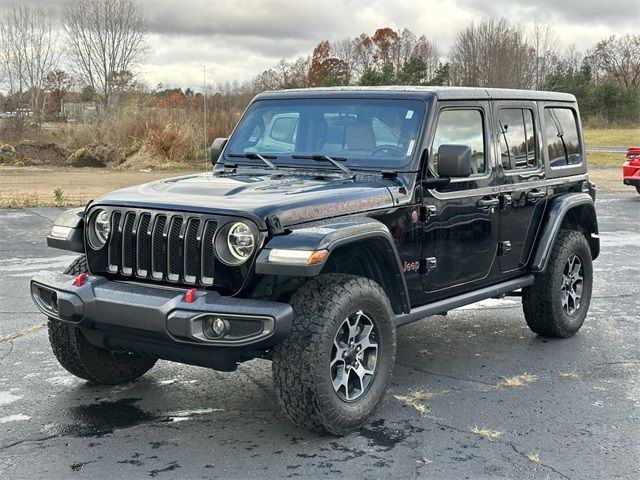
(301,371)
(84,360)
(542,302)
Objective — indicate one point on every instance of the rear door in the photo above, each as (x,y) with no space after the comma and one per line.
(461,230)
(521,176)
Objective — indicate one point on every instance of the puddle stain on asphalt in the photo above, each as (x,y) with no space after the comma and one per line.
(385,438)
(103,418)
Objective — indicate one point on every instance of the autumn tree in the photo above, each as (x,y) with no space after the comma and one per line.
(325,69)
(618,59)
(57,84)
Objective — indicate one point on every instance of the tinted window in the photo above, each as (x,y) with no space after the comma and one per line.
(461,127)
(517,139)
(372,132)
(563,143)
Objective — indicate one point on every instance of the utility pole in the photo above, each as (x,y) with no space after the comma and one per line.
(204,96)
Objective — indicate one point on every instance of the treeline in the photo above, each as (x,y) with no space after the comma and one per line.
(97,54)
(490,53)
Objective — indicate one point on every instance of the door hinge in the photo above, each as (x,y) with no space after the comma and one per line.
(427,265)
(427,211)
(504,248)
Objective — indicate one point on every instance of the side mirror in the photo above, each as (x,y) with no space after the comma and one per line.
(454,161)
(216,149)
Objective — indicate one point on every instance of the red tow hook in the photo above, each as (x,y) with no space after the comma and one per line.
(80,279)
(190,296)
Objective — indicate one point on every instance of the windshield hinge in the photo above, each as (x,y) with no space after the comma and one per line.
(274,225)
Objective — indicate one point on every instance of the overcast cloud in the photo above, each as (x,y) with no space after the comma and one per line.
(238,39)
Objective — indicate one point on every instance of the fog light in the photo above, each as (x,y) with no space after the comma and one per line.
(218,327)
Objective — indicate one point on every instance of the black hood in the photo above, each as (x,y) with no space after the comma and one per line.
(292,198)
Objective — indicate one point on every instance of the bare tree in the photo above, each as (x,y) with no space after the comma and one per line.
(618,59)
(543,41)
(492,53)
(105,37)
(30,50)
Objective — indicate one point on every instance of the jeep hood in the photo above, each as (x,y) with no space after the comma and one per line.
(293,199)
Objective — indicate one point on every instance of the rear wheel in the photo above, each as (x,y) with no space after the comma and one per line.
(85,360)
(331,373)
(557,302)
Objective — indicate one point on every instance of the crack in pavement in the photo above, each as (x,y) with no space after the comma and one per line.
(408,365)
(513,446)
(28,440)
(22,333)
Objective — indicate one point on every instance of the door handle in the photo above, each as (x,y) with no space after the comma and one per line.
(488,202)
(535,194)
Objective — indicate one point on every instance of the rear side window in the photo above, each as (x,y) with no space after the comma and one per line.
(563,143)
(461,127)
(517,139)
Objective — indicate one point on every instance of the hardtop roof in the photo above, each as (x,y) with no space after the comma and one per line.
(441,93)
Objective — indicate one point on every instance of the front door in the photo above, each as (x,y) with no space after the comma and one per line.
(461,228)
(521,178)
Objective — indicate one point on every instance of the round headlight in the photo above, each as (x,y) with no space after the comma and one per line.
(102,226)
(240,241)
(100,229)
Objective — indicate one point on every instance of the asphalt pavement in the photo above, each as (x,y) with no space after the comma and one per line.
(576,415)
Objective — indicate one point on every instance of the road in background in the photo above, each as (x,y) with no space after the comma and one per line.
(576,418)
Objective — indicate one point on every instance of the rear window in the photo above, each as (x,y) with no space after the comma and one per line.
(517,139)
(563,142)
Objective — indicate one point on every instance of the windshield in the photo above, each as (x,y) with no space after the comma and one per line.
(366,132)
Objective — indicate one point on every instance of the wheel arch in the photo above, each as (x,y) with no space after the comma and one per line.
(570,211)
(361,246)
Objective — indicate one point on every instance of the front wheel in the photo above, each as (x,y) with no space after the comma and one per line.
(557,302)
(86,361)
(331,373)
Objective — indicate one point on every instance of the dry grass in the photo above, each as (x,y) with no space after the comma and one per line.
(613,137)
(533,457)
(26,331)
(487,433)
(599,159)
(518,381)
(22,187)
(414,399)
(568,375)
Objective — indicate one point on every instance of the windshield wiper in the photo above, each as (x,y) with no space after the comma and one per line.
(252,155)
(333,160)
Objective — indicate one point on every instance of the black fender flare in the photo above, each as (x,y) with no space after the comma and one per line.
(67,232)
(335,234)
(556,212)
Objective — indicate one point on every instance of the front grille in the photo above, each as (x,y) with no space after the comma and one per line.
(162,246)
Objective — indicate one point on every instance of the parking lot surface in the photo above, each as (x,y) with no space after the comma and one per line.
(576,414)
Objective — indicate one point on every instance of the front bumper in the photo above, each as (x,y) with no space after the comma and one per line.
(158,321)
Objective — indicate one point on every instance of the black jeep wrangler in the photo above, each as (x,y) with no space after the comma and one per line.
(332,217)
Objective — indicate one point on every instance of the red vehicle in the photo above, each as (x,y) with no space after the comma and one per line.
(631,168)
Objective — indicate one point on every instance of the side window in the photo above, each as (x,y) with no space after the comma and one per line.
(517,138)
(563,143)
(461,127)
(283,128)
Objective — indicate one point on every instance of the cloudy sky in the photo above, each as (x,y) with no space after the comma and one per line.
(238,39)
